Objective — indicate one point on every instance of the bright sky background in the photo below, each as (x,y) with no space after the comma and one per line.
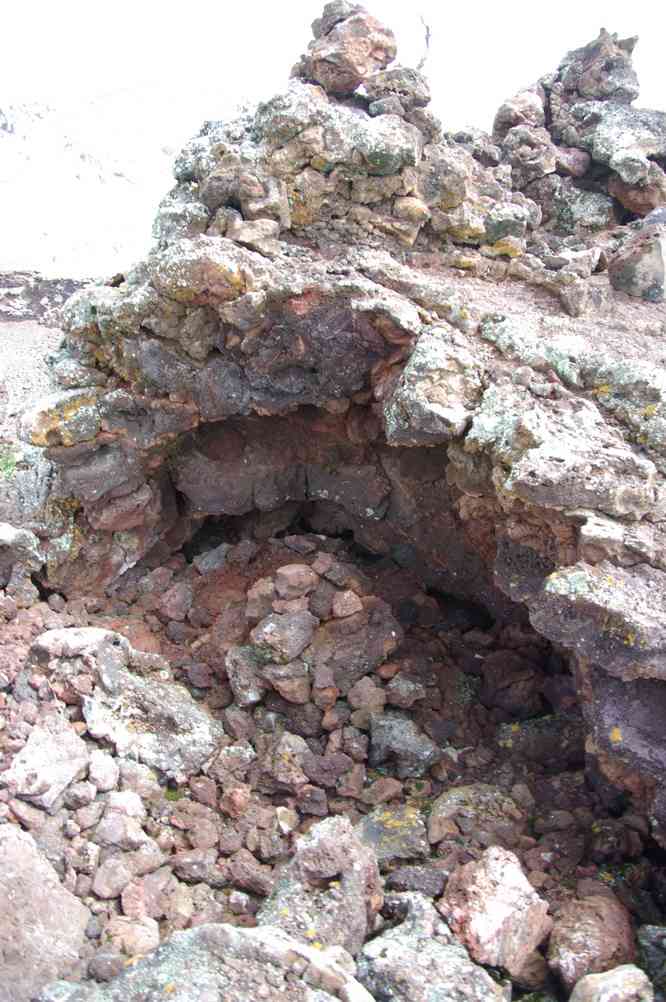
(481,52)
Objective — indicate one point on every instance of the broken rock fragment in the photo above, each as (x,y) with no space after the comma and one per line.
(494,910)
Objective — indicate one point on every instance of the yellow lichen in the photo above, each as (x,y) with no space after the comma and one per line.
(56,420)
(615,735)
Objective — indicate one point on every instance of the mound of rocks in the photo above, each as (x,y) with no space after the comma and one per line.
(353,489)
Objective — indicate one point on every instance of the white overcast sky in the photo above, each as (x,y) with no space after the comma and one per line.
(56,50)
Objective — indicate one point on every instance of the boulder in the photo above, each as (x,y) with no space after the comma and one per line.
(329,892)
(176,737)
(589,936)
(640,199)
(346,52)
(42,927)
(495,912)
(639,267)
(418,960)
(623,984)
(435,395)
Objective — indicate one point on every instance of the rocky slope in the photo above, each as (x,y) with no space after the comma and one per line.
(369,453)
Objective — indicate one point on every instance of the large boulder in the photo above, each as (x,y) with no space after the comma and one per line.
(176,737)
(42,926)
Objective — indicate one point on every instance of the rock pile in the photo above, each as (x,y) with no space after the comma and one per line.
(177,789)
(333,602)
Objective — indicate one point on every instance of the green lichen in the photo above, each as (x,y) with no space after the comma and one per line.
(467,689)
(8,462)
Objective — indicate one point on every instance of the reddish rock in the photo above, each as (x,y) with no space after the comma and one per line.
(346,54)
(495,912)
(590,935)
(640,198)
(572,162)
(346,603)
(383,789)
(42,924)
(177,602)
(133,937)
(112,877)
(295,581)
(244,871)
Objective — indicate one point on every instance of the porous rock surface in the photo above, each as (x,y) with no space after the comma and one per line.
(447,348)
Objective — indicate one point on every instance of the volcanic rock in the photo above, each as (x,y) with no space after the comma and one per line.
(495,912)
(43,925)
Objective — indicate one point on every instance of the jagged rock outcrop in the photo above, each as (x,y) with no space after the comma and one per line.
(301,342)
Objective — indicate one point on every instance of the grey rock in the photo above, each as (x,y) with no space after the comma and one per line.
(480,805)
(652,953)
(286,636)
(639,267)
(53,757)
(212,560)
(241,963)
(418,960)
(427,880)
(330,890)
(20,556)
(623,984)
(408,85)
(434,399)
(394,737)
(243,666)
(614,134)
(531,153)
